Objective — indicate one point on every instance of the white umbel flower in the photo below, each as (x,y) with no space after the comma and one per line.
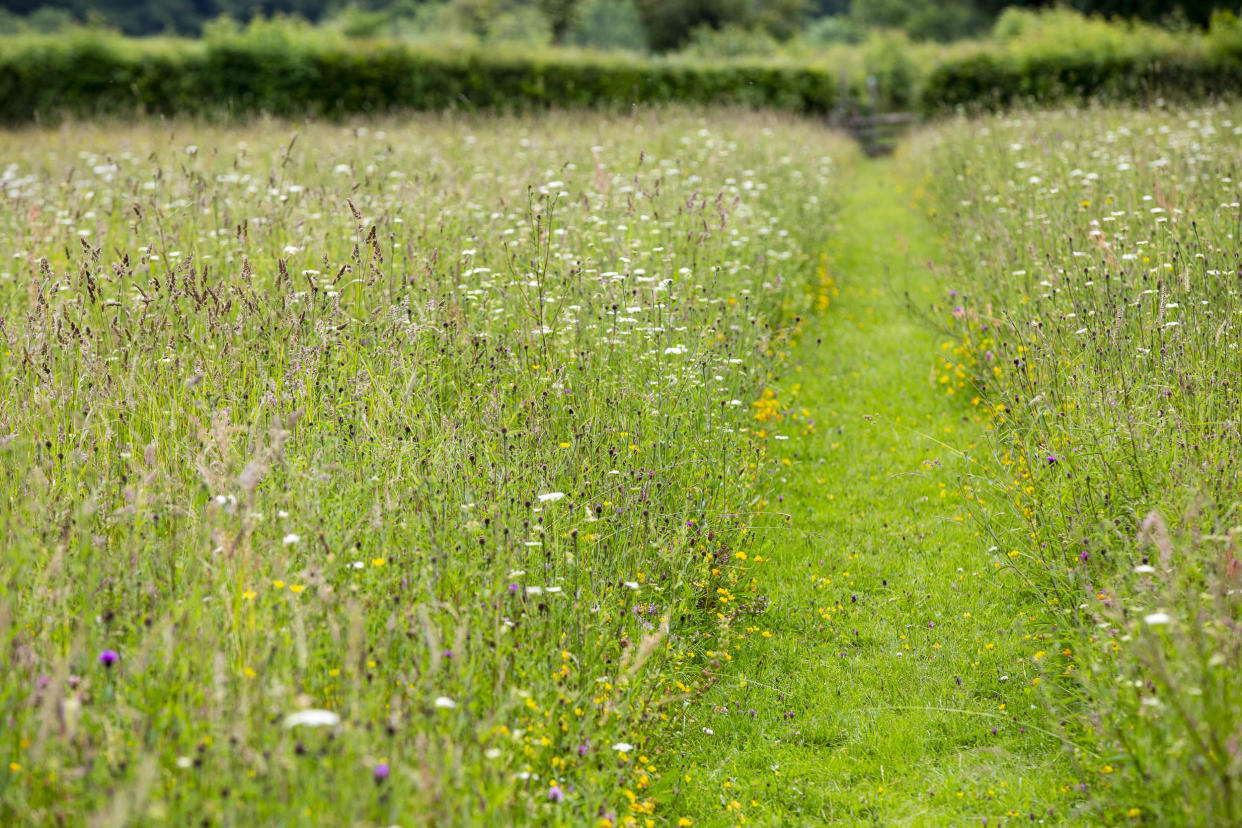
(312,718)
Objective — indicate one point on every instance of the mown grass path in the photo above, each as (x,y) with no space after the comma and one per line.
(897,642)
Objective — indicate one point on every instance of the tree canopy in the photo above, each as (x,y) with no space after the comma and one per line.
(665,24)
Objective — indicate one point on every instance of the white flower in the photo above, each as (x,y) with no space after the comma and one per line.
(291,539)
(632,584)
(445,703)
(313,718)
(492,753)
(622,747)
(551,497)
(1144,568)
(1156,619)
(534,590)
(185,762)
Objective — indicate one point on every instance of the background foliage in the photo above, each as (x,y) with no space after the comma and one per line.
(286,67)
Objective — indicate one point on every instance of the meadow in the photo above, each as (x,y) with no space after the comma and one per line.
(442,428)
(1095,308)
(671,468)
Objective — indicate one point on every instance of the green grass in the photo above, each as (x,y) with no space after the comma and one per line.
(897,641)
(436,425)
(1096,263)
(679,468)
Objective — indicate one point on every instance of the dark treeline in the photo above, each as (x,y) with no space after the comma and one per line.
(666,24)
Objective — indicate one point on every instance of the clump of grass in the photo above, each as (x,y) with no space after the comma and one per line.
(1094,309)
(390,472)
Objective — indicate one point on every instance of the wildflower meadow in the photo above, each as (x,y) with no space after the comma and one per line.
(660,466)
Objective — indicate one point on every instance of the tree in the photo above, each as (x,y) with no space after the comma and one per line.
(561,15)
(669,23)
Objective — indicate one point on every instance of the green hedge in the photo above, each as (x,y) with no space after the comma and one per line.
(1194,69)
(91,76)
(991,81)
(283,68)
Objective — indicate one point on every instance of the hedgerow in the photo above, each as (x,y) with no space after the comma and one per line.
(272,68)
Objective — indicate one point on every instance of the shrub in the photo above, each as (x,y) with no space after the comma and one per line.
(283,68)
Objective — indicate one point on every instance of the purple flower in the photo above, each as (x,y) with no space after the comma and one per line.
(109,657)
(583,748)
(555,794)
(1084,556)
(448,653)
(381,771)
(1052,459)
(514,587)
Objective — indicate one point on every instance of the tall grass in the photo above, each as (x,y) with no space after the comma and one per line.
(440,428)
(1095,302)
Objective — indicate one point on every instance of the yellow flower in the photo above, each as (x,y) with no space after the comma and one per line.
(378,562)
(296,588)
(278,584)
(684,822)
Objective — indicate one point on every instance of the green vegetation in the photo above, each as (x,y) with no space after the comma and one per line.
(291,69)
(554,459)
(286,69)
(662,25)
(889,680)
(1096,304)
(442,429)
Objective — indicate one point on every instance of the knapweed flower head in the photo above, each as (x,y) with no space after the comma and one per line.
(555,793)
(109,657)
(380,771)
